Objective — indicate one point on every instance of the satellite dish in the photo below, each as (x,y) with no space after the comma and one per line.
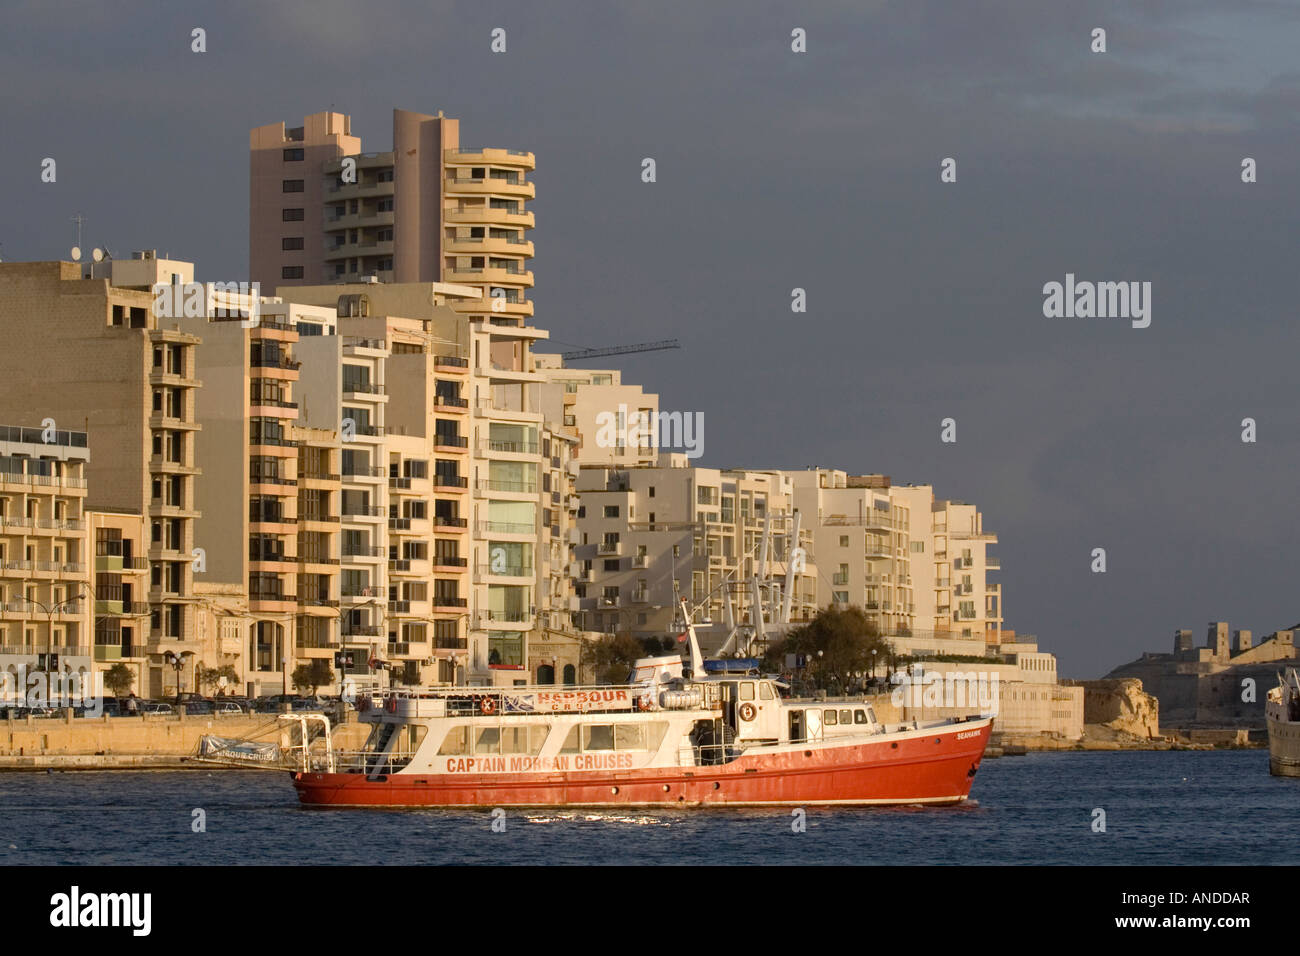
(76,253)
(97,254)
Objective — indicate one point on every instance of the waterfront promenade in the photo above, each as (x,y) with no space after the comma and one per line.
(153,741)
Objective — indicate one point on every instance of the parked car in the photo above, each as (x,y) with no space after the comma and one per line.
(197,705)
(228,708)
(156,707)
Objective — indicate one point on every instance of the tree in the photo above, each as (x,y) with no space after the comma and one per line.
(307,677)
(837,644)
(118,679)
(210,677)
(612,657)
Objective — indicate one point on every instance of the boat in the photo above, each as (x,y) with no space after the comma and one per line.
(1282,713)
(665,738)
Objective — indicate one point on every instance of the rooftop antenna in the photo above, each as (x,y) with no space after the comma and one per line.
(78,219)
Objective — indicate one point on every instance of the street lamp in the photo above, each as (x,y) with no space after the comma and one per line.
(177,661)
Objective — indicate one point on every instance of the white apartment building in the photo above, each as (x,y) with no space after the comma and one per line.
(612,421)
(918,565)
(863,543)
(651,535)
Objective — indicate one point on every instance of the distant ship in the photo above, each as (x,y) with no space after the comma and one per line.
(662,739)
(1282,712)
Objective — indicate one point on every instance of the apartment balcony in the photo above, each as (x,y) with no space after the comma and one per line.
(503,276)
(315,521)
(504,620)
(488,246)
(451,404)
(452,524)
(520,188)
(360,190)
(443,564)
(450,484)
(319,480)
(507,571)
(489,155)
(992,564)
(358,346)
(173,379)
(364,474)
(450,443)
(609,548)
(506,527)
(512,305)
(272,408)
(486,215)
(498,447)
(365,392)
(367,513)
(409,526)
(485,486)
(358,220)
(451,363)
(446,604)
(640,560)
(272,601)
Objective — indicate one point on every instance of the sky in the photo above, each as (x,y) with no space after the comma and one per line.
(818,170)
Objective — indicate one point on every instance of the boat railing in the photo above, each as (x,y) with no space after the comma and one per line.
(364,761)
(532,699)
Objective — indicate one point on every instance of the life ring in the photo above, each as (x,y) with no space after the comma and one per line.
(487,706)
(748,712)
(643,702)
(390,705)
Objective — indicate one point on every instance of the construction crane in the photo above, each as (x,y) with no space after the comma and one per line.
(620,350)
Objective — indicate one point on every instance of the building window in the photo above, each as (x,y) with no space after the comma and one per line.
(291,272)
(291,186)
(292,215)
(291,243)
(293,155)
(844,541)
(611,511)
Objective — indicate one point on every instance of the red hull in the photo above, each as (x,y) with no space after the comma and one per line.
(938,768)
